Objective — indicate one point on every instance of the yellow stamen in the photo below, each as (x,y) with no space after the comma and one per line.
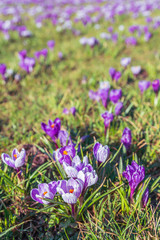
(44,193)
(15,155)
(52,126)
(65,152)
(71,190)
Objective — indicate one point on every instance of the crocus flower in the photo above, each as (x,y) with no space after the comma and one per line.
(134,174)
(94,95)
(64,138)
(101,153)
(60,55)
(125,61)
(88,176)
(17,160)
(76,166)
(43,53)
(27,64)
(115,75)
(126,138)
(92,42)
(51,44)
(65,154)
(66,111)
(103,93)
(73,110)
(118,108)
(104,85)
(44,191)
(115,95)
(145,197)
(22,54)
(136,70)
(3,69)
(70,190)
(156,86)
(108,118)
(144,85)
(52,129)
(131,41)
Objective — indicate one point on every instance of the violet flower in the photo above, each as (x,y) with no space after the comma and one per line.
(156,86)
(134,174)
(115,75)
(131,41)
(92,42)
(125,61)
(64,138)
(3,69)
(65,154)
(52,129)
(44,191)
(126,138)
(118,108)
(67,111)
(94,95)
(16,161)
(43,53)
(144,85)
(103,93)
(108,118)
(136,70)
(60,55)
(145,197)
(115,95)
(22,54)
(51,44)
(27,64)
(101,153)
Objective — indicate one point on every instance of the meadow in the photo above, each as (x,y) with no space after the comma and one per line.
(79,122)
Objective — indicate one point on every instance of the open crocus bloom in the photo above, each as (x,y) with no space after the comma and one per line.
(70,190)
(101,152)
(65,154)
(75,166)
(17,160)
(134,174)
(125,61)
(43,191)
(144,85)
(52,129)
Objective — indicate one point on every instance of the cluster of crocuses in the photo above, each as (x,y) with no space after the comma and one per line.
(91,42)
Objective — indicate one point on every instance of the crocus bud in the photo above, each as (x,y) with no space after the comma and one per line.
(156,85)
(118,108)
(126,138)
(101,152)
(115,95)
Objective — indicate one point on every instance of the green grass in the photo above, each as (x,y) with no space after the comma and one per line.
(42,95)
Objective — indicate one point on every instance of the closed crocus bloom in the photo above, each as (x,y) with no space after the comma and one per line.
(126,138)
(51,44)
(17,160)
(27,64)
(94,95)
(22,54)
(145,197)
(115,75)
(104,85)
(144,85)
(43,53)
(70,190)
(101,152)
(156,85)
(108,118)
(64,138)
(88,176)
(134,174)
(73,111)
(103,93)
(65,154)
(115,95)
(125,61)
(52,129)
(60,55)
(118,108)
(136,70)
(44,191)
(92,42)
(131,41)
(3,69)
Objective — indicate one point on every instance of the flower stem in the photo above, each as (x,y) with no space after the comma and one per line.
(72,207)
(18,173)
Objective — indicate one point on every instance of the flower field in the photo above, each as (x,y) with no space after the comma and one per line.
(80,119)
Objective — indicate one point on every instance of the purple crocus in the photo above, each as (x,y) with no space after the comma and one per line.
(44,191)
(73,111)
(51,44)
(136,70)
(16,161)
(3,69)
(145,197)
(60,55)
(42,53)
(101,153)
(65,154)
(131,41)
(134,174)
(115,75)
(94,95)
(115,95)
(22,54)
(92,42)
(52,129)
(108,118)
(118,108)
(27,64)
(103,93)
(144,85)
(64,138)
(126,138)
(125,61)
(156,86)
